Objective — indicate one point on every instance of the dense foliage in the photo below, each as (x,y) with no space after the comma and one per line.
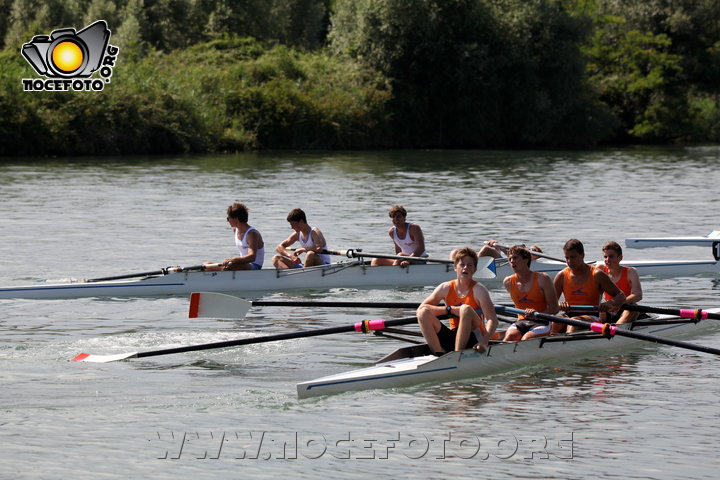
(216,75)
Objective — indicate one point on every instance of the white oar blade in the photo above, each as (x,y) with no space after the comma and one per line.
(217,305)
(86,357)
(486,268)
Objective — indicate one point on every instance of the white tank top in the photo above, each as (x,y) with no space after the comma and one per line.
(407,245)
(308,243)
(243,246)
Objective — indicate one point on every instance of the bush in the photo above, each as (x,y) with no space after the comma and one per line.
(226,95)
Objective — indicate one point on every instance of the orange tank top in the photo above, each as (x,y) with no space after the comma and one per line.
(586,294)
(454,300)
(533,298)
(623,283)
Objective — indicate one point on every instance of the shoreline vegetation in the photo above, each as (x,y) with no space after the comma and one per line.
(203,76)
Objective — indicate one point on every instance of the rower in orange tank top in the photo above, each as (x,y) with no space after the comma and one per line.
(628,281)
(533,298)
(586,293)
(583,284)
(453,299)
(623,283)
(468,306)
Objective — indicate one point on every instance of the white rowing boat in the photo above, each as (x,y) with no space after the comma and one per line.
(709,239)
(351,274)
(414,365)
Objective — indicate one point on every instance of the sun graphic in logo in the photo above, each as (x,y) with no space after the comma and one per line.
(67,56)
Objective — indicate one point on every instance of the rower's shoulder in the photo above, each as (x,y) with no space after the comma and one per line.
(543,277)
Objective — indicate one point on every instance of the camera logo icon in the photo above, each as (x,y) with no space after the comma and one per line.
(66,57)
(67,53)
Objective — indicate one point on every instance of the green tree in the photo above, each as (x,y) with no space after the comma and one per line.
(654,63)
(475,72)
(101,10)
(36,17)
(129,34)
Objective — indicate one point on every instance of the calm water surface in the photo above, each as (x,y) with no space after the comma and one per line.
(648,413)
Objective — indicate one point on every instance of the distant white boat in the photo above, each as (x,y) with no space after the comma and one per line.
(709,239)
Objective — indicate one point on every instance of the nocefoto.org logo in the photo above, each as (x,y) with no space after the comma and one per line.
(68,59)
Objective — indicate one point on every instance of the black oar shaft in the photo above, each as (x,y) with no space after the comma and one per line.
(365,326)
(360,254)
(247,341)
(317,303)
(129,275)
(534,253)
(163,271)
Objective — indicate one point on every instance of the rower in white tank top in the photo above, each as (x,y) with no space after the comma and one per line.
(407,244)
(243,247)
(308,244)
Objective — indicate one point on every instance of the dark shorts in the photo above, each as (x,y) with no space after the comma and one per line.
(447,338)
(525,325)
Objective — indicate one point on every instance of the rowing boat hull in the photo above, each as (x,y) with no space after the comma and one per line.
(707,240)
(400,369)
(337,275)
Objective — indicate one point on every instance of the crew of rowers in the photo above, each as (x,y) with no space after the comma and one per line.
(605,288)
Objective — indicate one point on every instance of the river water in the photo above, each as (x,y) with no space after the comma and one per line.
(647,413)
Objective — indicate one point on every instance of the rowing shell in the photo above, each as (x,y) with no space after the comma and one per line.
(414,365)
(337,275)
(712,239)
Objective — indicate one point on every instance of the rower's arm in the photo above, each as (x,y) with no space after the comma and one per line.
(417,235)
(282,247)
(488,308)
(432,302)
(636,293)
(607,285)
(551,298)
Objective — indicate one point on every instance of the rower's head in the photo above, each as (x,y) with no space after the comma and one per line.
(612,253)
(574,253)
(465,258)
(238,211)
(296,215)
(518,253)
(397,214)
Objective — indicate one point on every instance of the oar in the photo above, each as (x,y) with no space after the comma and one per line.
(696,314)
(485,267)
(358,253)
(162,271)
(535,253)
(610,330)
(220,305)
(364,327)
